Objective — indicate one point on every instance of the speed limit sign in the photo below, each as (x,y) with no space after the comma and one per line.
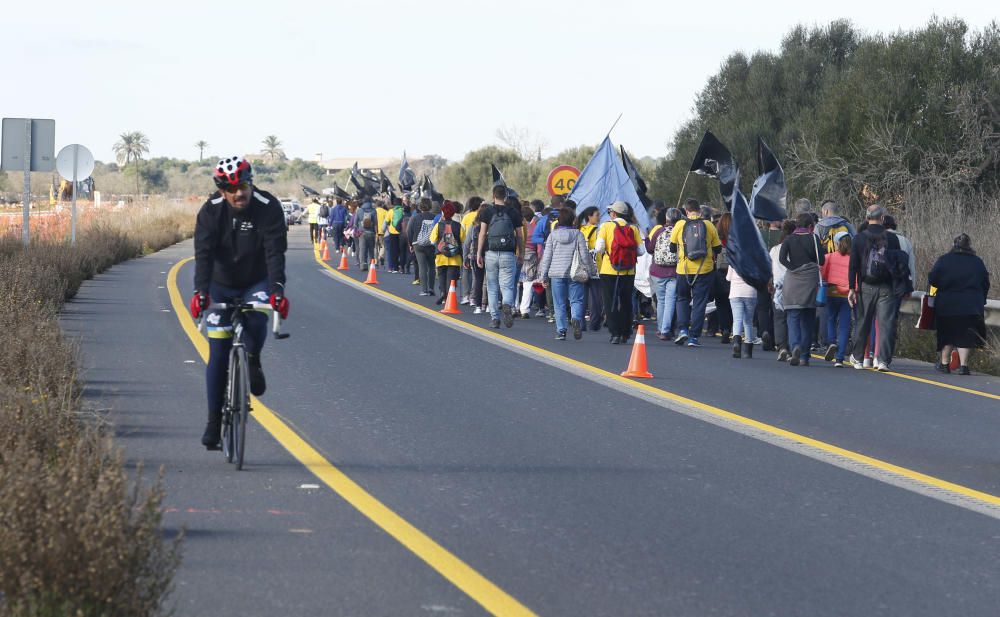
(562,179)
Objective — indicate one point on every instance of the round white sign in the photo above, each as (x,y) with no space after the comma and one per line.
(84,162)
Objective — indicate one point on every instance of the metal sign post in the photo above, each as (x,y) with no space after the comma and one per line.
(72,162)
(32,151)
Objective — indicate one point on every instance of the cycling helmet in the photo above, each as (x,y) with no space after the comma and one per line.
(232,171)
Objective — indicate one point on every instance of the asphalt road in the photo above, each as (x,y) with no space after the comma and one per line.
(567,494)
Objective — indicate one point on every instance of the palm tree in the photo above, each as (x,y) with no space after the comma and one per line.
(201,145)
(272,148)
(129,149)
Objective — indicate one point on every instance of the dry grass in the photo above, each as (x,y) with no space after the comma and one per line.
(77,536)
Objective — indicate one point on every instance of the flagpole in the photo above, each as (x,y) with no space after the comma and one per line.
(683,186)
(615,124)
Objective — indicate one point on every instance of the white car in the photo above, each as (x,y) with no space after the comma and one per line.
(293,211)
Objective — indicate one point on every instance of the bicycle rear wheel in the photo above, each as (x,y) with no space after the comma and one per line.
(241,409)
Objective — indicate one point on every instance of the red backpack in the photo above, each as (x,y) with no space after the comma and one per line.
(624,248)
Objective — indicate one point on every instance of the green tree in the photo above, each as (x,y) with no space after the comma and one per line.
(201,145)
(472,176)
(272,149)
(129,149)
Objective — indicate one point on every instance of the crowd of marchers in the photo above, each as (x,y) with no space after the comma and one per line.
(835,292)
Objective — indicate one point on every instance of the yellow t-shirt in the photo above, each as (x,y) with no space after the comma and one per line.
(380,215)
(607,233)
(697,266)
(312,213)
(469,218)
(590,233)
(443,260)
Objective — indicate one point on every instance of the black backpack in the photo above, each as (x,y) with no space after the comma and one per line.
(695,238)
(876,269)
(324,211)
(500,231)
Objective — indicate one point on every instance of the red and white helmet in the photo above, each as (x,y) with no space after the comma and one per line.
(232,172)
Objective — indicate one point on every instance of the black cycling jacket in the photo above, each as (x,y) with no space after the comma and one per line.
(238,248)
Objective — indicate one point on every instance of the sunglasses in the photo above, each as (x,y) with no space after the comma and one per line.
(242,186)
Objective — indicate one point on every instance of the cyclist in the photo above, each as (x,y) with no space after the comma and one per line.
(240,240)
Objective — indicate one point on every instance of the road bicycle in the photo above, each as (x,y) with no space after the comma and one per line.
(236,404)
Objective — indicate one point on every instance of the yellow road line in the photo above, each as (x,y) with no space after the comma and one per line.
(460,574)
(930,382)
(910,474)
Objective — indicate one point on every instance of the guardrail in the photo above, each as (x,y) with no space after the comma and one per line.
(911,306)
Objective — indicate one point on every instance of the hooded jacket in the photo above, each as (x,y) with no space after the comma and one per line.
(559,248)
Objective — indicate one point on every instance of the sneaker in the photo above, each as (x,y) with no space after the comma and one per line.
(693,342)
(616,340)
(477,311)
(415,282)
(782,355)
(540,313)
(962,370)
(526,315)
(867,363)
(758,341)
(858,365)
(257,383)
(883,367)
(495,323)
(506,315)
(561,335)
(551,319)
(838,364)
(212,437)
(796,358)
(942,368)
(681,338)
(831,351)
(464,301)
(577,332)
(662,336)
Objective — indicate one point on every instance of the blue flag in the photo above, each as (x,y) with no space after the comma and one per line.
(745,247)
(603,182)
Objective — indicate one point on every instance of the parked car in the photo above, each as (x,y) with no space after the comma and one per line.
(293,211)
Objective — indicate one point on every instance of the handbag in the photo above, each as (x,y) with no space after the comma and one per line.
(578,270)
(926,319)
(821,290)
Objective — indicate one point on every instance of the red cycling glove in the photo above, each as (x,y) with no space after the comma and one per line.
(199,302)
(280,304)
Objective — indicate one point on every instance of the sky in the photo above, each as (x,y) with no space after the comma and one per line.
(359,79)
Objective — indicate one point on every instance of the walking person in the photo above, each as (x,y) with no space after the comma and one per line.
(468,220)
(594,303)
(776,288)
(477,294)
(743,300)
(621,244)
(338,221)
(962,282)
(663,270)
(835,272)
(802,259)
(765,299)
(421,226)
(447,237)
(871,289)
(696,242)
(366,220)
(565,244)
(500,252)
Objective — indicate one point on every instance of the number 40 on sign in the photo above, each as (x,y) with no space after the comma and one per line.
(562,179)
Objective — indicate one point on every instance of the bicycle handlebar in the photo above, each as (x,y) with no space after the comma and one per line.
(263,307)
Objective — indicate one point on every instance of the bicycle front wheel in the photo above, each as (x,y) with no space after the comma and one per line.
(241,409)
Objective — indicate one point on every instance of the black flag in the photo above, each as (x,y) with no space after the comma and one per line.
(768,198)
(637,181)
(406,176)
(499,181)
(309,192)
(745,248)
(715,161)
(340,193)
(357,180)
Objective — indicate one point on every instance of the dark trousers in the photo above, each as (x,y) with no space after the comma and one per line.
(692,296)
(616,292)
(723,321)
(595,304)
(801,323)
(314,232)
(337,231)
(780,329)
(446,275)
(478,281)
(876,303)
(425,264)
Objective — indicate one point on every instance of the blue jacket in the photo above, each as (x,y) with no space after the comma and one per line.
(338,214)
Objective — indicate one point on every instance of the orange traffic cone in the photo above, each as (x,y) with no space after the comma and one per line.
(955,361)
(326,251)
(322,245)
(372,277)
(637,363)
(451,304)
(343,260)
